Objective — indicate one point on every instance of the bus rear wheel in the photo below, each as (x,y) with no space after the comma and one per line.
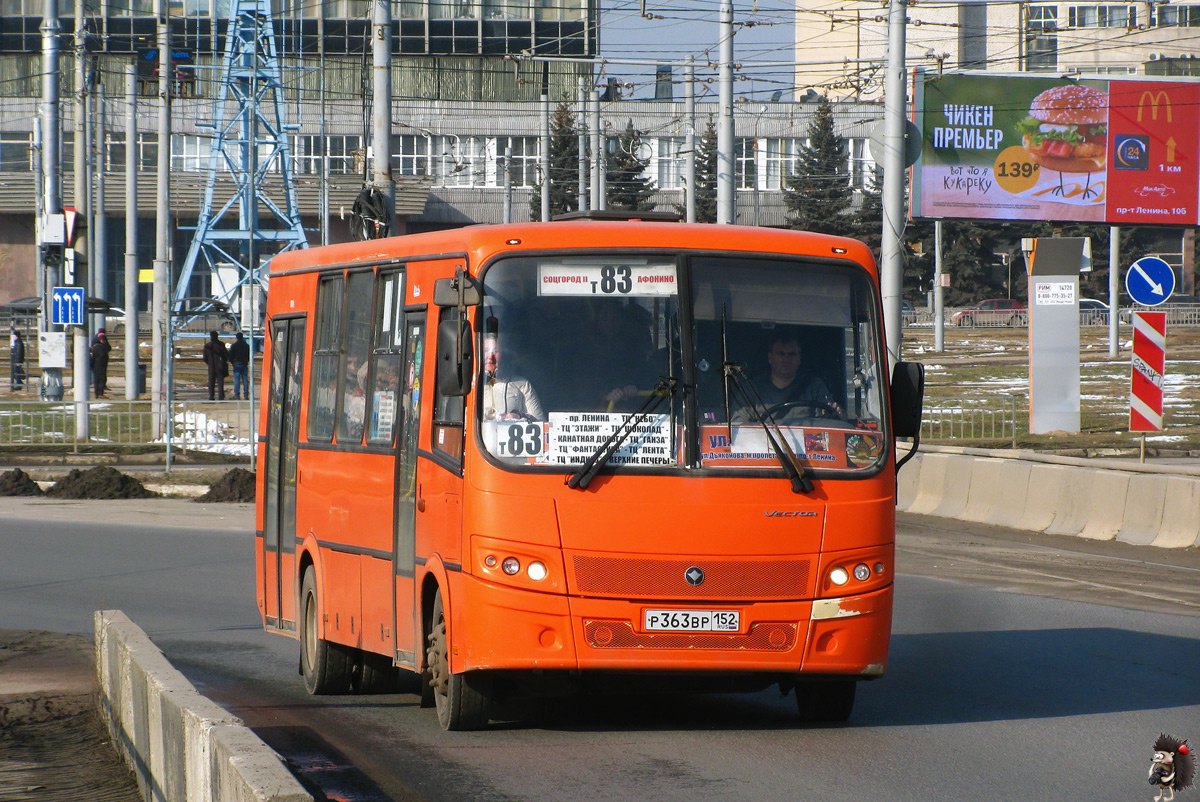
(375,673)
(826,702)
(460,699)
(327,667)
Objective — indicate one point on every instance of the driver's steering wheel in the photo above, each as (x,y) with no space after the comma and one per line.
(829,409)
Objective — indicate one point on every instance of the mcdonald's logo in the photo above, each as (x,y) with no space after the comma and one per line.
(1154,98)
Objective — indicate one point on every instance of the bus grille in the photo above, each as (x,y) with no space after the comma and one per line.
(777,637)
(633,578)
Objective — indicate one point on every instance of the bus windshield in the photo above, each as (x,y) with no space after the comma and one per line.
(715,356)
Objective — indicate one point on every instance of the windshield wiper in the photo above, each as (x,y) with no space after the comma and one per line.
(749,397)
(583,477)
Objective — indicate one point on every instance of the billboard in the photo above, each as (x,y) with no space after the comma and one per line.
(1031,147)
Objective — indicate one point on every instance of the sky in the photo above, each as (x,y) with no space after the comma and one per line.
(682,27)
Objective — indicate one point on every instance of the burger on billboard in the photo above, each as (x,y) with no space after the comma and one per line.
(1067,129)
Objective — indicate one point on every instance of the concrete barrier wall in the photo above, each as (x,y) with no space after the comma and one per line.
(181,746)
(1101,499)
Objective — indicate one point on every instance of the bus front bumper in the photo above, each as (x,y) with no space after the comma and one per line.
(509,628)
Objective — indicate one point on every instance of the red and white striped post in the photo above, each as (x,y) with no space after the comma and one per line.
(1149,368)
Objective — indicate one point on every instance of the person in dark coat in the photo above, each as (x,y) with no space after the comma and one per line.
(100,352)
(216,356)
(239,356)
(16,362)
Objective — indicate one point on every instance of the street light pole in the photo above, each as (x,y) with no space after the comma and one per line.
(726,197)
(895,106)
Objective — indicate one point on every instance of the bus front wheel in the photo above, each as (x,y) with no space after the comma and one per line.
(826,702)
(327,667)
(460,699)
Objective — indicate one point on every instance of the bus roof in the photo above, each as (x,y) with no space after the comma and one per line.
(481,242)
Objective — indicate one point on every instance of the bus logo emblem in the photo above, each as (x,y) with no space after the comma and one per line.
(694,576)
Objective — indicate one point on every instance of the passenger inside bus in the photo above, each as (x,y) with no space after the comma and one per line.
(506,396)
(355,402)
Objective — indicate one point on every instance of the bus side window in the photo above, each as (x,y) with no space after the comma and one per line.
(448,411)
(389,358)
(322,399)
(356,347)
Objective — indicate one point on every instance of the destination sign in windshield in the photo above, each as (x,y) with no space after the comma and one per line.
(603,278)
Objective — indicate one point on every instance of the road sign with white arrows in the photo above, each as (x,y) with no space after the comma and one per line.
(1150,281)
(1149,369)
(66,307)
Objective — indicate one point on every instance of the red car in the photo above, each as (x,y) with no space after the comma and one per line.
(993,312)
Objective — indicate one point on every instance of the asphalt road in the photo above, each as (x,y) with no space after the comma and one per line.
(1022,668)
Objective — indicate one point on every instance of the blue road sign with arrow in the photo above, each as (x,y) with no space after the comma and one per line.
(1150,281)
(67,306)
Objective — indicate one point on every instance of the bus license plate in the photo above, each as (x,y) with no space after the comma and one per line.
(693,620)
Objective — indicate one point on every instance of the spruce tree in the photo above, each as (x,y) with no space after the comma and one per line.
(629,188)
(564,166)
(1135,242)
(818,195)
(867,220)
(706,176)
(969,249)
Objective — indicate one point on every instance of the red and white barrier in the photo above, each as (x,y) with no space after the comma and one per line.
(1149,368)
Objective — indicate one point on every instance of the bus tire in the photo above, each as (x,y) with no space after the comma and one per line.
(375,673)
(826,702)
(461,699)
(327,667)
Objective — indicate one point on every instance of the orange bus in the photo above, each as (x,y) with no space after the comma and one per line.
(584,453)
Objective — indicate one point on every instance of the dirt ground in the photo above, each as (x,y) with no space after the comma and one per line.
(53,745)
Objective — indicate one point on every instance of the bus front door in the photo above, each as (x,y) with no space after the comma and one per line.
(407,606)
(279,514)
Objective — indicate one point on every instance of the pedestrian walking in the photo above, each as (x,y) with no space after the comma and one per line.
(216,356)
(239,357)
(99,362)
(16,362)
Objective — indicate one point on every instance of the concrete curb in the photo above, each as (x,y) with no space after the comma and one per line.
(1099,499)
(181,746)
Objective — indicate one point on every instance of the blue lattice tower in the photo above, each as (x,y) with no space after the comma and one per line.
(247,146)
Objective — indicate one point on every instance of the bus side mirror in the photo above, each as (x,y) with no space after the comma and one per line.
(461,290)
(908,394)
(456,360)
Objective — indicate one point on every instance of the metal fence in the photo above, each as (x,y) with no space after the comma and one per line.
(1178,314)
(983,418)
(228,427)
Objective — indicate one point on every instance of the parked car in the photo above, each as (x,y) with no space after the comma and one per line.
(908,314)
(114,321)
(1092,312)
(993,312)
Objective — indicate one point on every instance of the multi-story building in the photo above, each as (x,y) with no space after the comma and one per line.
(464,91)
(841,45)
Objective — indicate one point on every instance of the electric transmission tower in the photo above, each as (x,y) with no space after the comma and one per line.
(248,146)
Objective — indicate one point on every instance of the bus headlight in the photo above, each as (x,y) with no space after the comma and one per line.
(838,576)
(861,572)
(530,566)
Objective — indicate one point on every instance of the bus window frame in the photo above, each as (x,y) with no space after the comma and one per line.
(341,435)
(317,353)
(691,463)
(386,349)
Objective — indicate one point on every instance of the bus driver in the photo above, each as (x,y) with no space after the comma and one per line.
(786,383)
(506,397)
